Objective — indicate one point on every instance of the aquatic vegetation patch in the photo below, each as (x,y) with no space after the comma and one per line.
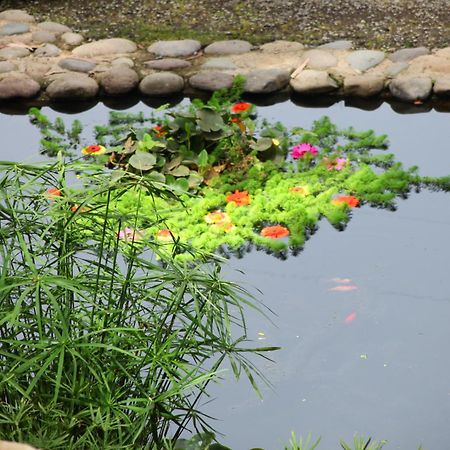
(244,182)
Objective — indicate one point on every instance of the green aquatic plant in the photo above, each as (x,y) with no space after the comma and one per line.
(105,340)
(360,443)
(307,444)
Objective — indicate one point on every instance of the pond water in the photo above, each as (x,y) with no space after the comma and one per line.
(373,359)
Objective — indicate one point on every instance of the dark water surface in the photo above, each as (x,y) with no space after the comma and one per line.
(373,360)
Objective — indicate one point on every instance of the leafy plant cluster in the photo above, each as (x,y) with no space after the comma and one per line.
(104,346)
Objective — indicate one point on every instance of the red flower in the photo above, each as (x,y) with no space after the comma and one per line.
(349,200)
(275,232)
(240,107)
(159,130)
(93,150)
(164,235)
(239,198)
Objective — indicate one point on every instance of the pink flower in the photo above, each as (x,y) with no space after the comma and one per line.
(300,150)
(335,164)
(128,234)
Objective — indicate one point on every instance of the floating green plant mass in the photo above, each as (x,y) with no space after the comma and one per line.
(243,182)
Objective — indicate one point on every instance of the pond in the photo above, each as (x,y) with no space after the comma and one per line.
(362,315)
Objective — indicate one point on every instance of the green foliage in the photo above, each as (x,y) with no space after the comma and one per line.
(101,346)
(360,443)
(308,444)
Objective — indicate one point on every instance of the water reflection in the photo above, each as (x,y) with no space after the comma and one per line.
(371,360)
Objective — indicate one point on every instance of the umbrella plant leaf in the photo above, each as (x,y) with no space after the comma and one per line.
(209,120)
(262,144)
(194,180)
(156,176)
(142,161)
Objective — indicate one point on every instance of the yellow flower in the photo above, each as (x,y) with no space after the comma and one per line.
(275,142)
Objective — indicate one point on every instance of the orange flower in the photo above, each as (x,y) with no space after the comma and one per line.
(164,235)
(302,190)
(159,130)
(239,198)
(349,200)
(240,107)
(78,208)
(93,150)
(275,232)
(53,192)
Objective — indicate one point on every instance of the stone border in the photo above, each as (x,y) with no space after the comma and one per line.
(49,62)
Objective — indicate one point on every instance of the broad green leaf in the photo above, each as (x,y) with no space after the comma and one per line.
(202,158)
(195,180)
(180,171)
(209,120)
(156,176)
(182,184)
(262,144)
(142,161)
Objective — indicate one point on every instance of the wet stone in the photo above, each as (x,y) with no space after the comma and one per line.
(337,45)
(309,82)
(77,65)
(411,88)
(72,86)
(219,64)
(7,66)
(266,81)
(14,28)
(18,86)
(231,47)
(167,64)
(407,54)
(105,47)
(54,27)
(48,50)
(366,85)
(363,60)
(211,80)
(13,52)
(42,37)
(72,39)
(319,59)
(16,15)
(161,84)
(119,80)
(173,49)
(37,69)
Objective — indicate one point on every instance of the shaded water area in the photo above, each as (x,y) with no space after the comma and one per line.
(372,358)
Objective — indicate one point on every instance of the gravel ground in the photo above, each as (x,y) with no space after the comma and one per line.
(386,24)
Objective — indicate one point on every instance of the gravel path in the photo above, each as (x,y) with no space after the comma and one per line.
(386,24)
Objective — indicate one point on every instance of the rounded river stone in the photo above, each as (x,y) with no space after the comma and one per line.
(228,47)
(13,52)
(265,81)
(7,66)
(77,65)
(167,64)
(172,49)
(48,50)
(407,54)
(72,39)
(309,82)
(337,45)
(366,85)
(72,86)
(211,80)
(319,59)
(219,64)
(54,27)
(18,86)
(105,47)
(14,28)
(42,37)
(119,80)
(161,84)
(363,60)
(16,15)
(411,88)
